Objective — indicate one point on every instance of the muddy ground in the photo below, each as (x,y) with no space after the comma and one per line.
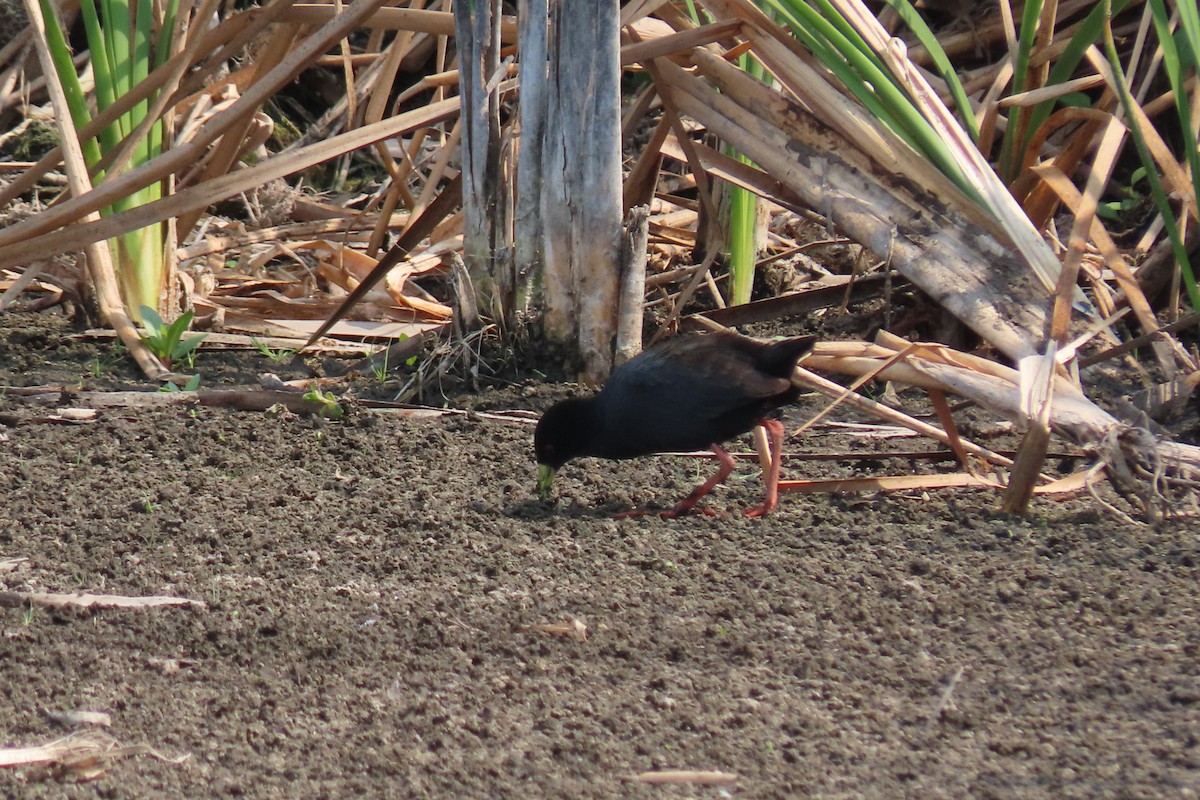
(372,589)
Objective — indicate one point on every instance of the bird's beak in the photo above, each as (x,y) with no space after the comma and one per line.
(545,478)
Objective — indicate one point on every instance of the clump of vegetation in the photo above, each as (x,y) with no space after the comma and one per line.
(166,339)
(35,141)
(125,43)
(327,402)
(279,355)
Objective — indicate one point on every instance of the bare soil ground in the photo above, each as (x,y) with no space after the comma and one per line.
(370,587)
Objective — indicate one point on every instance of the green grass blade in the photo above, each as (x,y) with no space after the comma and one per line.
(162,49)
(1176,60)
(1009,151)
(1157,190)
(101,63)
(60,54)
(862,73)
(812,32)
(1090,31)
(916,24)
(743,214)
(117,28)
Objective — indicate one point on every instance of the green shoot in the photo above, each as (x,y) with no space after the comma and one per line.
(328,404)
(278,355)
(1176,54)
(743,216)
(99,364)
(192,385)
(380,369)
(119,34)
(166,340)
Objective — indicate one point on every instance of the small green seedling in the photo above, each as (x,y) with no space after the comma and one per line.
(329,408)
(99,364)
(380,369)
(192,385)
(166,340)
(1131,199)
(278,355)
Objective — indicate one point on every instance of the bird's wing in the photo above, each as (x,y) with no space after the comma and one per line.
(721,361)
(682,399)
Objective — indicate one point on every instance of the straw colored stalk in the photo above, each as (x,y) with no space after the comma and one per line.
(14,238)
(917,222)
(1159,474)
(17,251)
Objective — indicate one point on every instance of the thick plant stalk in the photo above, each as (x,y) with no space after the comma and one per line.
(632,285)
(954,257)
(581,204)
(99,258)
(529,234)
(487,200)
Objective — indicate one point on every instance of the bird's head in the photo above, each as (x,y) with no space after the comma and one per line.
(562,433)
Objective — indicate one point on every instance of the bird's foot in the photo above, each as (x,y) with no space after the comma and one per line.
(761,511)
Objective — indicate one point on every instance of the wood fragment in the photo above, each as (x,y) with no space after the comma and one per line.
(83,600)
(64,416)
(668,777)
(1076,482)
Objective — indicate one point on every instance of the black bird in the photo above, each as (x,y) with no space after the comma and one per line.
(691,392)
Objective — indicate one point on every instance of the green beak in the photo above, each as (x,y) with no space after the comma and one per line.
(546,475)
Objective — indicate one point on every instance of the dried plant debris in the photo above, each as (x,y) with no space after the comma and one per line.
(669,777)
(79,718)
(80,757)
(83,600)
(571,629)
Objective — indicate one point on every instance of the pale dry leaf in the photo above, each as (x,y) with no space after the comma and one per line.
(679,776)
(78,718)
(19,599)
(575,629)
(82,756)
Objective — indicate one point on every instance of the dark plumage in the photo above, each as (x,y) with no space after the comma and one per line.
(691,392)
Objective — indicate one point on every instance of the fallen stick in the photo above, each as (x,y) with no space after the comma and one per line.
(22,599)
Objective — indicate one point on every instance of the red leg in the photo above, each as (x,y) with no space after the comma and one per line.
(685,506)
(771,476)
